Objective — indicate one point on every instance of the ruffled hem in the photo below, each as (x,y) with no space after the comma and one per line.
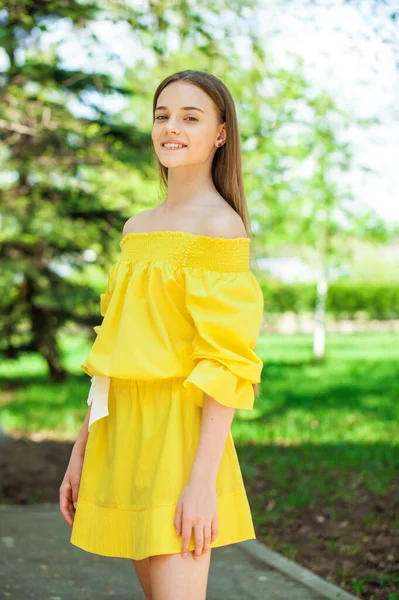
(136,534)
(220,383)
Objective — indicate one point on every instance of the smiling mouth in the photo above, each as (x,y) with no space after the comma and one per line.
(173,147)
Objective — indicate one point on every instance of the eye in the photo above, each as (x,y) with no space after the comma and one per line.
(160,116)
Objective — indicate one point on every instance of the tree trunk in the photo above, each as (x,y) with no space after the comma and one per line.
(319,329)
(44,328)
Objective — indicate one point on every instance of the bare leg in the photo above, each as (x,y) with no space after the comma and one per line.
(142,568)
(176,578)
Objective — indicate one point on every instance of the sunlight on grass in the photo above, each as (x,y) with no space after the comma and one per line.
(342,412)
(346,397)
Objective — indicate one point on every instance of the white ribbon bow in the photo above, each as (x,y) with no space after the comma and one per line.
(98,397)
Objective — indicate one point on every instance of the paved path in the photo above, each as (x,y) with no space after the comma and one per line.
(38,562)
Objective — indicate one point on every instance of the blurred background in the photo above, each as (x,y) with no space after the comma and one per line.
(316,86)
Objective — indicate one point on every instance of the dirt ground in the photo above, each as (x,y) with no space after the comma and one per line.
(337,543)
(340,545)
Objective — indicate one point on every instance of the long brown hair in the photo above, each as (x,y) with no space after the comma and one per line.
(226,165)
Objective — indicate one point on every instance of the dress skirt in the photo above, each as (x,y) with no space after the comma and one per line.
(137,462)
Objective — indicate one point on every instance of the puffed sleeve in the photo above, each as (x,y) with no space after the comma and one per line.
(106,296)
(226,309)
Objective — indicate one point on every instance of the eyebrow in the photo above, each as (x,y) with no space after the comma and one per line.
(182,108)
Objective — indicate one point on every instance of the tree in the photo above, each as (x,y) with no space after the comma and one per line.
(70,176)
(297,159)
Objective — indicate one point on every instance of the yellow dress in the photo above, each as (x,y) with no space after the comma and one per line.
(181,316)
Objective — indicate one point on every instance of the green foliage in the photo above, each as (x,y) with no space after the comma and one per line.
(344,299)
(73,180)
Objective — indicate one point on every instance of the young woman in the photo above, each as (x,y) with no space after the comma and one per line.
(157,478)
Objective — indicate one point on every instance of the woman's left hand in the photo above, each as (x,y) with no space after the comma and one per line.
(197,507)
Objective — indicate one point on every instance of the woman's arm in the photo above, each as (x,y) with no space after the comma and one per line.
(80,444)
(197,506)
(215,426)
(69,488)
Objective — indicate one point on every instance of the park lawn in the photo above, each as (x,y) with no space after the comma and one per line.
(319,453)
(320,458)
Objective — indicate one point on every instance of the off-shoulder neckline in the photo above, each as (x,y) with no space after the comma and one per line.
(167,232)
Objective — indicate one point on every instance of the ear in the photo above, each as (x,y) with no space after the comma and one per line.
(221,138)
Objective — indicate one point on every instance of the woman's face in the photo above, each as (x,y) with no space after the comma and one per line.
(197,129)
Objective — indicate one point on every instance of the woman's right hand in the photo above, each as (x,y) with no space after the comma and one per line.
(69,488)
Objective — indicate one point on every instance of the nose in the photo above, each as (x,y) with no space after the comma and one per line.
(171,126)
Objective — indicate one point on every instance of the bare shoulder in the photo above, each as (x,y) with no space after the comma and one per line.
(225,223)
(137,223)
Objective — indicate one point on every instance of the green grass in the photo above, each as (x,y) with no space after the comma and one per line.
(323,439)
(329,428)
(337,417)
(31,403)
(352,397)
